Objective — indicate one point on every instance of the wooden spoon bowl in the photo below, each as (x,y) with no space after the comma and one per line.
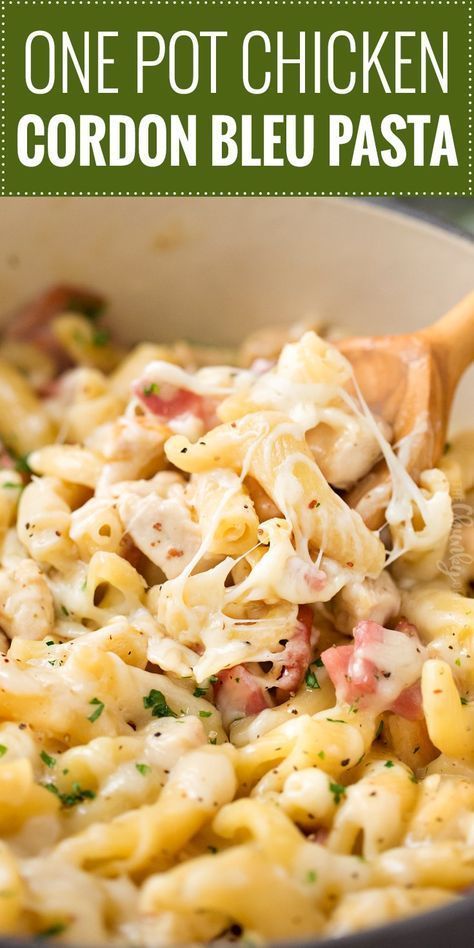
(410,381)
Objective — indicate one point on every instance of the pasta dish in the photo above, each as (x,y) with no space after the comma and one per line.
(229,709)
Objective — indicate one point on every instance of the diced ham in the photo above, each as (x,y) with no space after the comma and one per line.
(319,836)
(238,693)
(6,460)
(49,389)
(167,403)
(31,322)
(296,656)
(403,625)
(178,402)
(35,315)
(337,661)
(409,704)
(380,670)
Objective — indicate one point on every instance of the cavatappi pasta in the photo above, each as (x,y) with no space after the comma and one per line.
(228,709)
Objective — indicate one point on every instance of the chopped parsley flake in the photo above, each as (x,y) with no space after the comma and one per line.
(336,721)
(463,700)
(22,466)
(99,707)
(311,876)
(12,486)
(213,679)
(50,642)
(389,763)
(199,692)
(311,678)
(52,931)
(76,795)
(213,740)
(100,337)
(143,769)
(321,754)
(457,662)
(205,714)
(3,750)
(47,759)
(151,389)
(64,611)
(158,704)
(90,308)
(413,778)
(338,791)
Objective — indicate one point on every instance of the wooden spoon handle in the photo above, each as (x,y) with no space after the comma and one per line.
(452,339)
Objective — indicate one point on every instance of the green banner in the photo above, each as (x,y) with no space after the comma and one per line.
(224,97)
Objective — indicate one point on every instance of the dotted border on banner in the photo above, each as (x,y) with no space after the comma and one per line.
(2,100)
(237,3)
(470,80)
(222,3)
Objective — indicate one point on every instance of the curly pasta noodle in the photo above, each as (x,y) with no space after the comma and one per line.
(222,715)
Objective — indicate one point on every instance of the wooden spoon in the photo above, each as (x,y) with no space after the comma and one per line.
(410,382)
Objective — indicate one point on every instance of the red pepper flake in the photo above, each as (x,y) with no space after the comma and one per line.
(157,526)
(313,503)
(350,564)
(438,691)
(173,552)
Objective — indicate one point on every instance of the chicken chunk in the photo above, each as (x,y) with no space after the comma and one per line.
(26,602)
(374,599)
